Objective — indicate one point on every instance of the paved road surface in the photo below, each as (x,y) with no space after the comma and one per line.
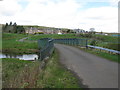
(95,72)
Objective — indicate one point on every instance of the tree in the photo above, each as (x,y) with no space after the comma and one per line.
(68,31)
(10,23)
(15,27)
(20,29)
(4,27)
(101,32)
(15,24)
(92,30)
(6,24)
(93,42)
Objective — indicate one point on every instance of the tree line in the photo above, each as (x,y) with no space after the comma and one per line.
(13,28)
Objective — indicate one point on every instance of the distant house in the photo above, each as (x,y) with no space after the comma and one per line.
(59,32)
(49,31)
(32,30)
(52,31)
(79,31)
(105,34)
(35,30)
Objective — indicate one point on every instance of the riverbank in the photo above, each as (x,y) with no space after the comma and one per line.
(27,74)
(11,44)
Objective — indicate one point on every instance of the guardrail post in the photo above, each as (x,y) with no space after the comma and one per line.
(86,43)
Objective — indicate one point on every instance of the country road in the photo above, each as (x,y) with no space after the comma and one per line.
(95,72)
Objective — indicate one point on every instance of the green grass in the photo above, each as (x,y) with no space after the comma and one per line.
(106,41)
(107,38)
(10,44)
(102,40)
(18,73)
(105,55)
(26,74)
(55,36)
(55,76)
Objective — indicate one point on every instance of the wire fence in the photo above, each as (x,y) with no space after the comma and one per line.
(72,41)
(46,46)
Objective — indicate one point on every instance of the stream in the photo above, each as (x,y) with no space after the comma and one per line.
(21,57)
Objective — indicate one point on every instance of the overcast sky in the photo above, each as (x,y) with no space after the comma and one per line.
(84,14)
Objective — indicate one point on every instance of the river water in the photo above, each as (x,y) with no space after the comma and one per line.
(21,57)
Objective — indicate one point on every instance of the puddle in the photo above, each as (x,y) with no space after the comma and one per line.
(21,57)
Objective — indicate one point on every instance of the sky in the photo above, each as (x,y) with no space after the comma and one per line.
(73,14)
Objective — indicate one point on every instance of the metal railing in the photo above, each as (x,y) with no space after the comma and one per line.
(104,49)
(72,41)
(46,46)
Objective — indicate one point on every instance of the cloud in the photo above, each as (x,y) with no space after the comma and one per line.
(49,13)
(9,8)
(60,13)
(102,18)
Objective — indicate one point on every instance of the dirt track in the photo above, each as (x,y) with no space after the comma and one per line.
(95,72)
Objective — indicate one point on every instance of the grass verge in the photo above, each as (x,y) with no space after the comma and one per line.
(105,55)
(19,73)
(55,76)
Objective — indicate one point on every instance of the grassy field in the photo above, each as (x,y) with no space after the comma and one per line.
(106,41)
(18,73)
(10,44)
(26,74)
(10,41)
(55,36)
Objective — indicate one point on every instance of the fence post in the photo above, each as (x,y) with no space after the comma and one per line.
(86,43)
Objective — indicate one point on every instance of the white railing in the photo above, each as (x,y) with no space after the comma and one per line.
(104,49)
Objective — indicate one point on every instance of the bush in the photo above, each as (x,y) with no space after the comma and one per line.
(87,35)
(114,46)
(39,33)
(93,42)
(99,38)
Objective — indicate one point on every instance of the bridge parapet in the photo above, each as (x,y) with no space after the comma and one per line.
(46,45)
(72,41)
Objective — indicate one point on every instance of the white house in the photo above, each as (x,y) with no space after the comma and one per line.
(59,32)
